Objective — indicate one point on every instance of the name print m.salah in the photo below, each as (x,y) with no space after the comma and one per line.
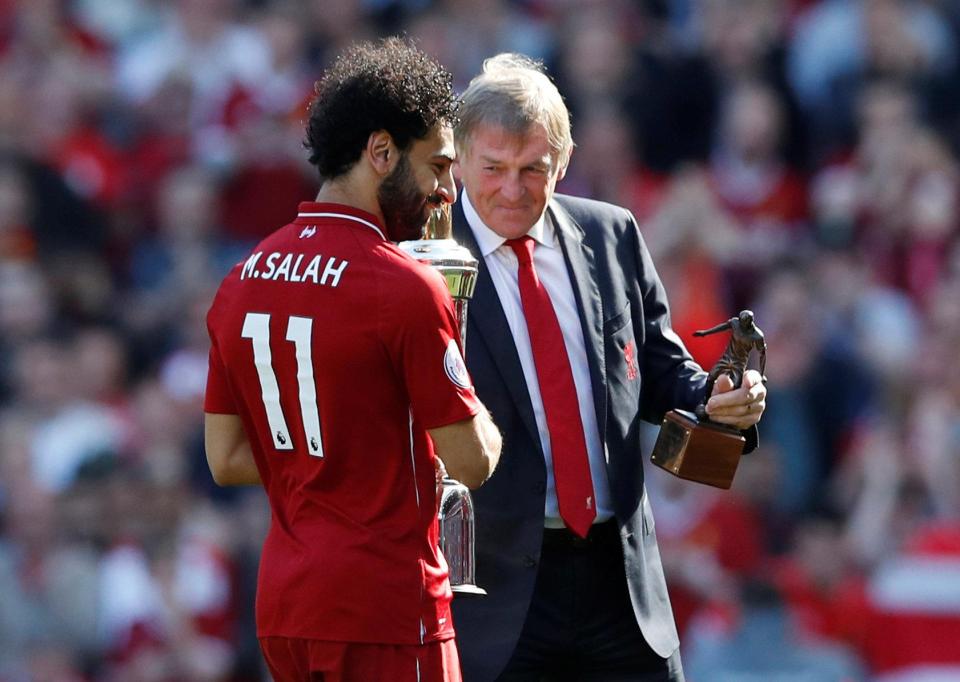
(286,267)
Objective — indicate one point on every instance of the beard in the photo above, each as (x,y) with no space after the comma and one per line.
(405,208)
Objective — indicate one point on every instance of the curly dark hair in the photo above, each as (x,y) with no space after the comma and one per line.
(385,85)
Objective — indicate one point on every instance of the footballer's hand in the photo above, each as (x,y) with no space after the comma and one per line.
(741,407)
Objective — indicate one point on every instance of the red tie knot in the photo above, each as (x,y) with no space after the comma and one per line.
(523,247)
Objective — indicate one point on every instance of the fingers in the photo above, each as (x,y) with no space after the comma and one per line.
(723,384)
(743,421)
(741,407)
(741,416)
(737,398)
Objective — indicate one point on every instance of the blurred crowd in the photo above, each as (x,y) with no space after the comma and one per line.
(797,157)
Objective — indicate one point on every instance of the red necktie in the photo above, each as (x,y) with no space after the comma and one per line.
(571,467)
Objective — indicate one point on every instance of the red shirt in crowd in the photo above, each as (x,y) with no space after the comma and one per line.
(338,351)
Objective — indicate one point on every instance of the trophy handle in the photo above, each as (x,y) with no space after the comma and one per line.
(460,308)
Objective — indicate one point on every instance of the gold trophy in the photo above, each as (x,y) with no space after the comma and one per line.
(690,445)
(456,515)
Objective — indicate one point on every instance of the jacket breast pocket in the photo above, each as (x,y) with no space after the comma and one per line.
(623,362)
(617,322)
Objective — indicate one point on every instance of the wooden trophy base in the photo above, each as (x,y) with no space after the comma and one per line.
(698,451)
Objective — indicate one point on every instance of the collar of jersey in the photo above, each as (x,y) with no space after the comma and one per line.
(310,211)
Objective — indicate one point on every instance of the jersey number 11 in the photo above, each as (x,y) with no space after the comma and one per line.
(256,327)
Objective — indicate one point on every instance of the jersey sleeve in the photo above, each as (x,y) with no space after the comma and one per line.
(219,396)
(423,340)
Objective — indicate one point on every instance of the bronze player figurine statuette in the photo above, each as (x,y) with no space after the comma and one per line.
(690,445)
(746,337)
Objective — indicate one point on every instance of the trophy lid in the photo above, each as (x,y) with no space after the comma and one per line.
(439,252)
(454,262)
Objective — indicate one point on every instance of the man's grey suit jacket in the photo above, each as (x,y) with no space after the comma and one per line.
(639,369)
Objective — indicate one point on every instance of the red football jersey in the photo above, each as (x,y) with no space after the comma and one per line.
(338,351)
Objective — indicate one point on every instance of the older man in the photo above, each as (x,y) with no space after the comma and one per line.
(570,348)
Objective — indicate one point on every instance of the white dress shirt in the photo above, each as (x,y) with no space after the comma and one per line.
(551,269)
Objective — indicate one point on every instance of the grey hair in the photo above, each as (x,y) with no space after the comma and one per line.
(514,93)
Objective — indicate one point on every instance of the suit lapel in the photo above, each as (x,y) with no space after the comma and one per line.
(581,265)
(486,318)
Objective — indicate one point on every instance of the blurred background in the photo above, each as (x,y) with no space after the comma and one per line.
(798,157)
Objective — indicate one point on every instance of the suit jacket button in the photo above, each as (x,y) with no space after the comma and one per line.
(540,488)
(529,561)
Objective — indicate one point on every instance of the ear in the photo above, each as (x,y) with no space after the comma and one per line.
(382,152)
(564,163)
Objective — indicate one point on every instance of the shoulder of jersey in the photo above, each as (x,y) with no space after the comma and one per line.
(409,274)
(299,236)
